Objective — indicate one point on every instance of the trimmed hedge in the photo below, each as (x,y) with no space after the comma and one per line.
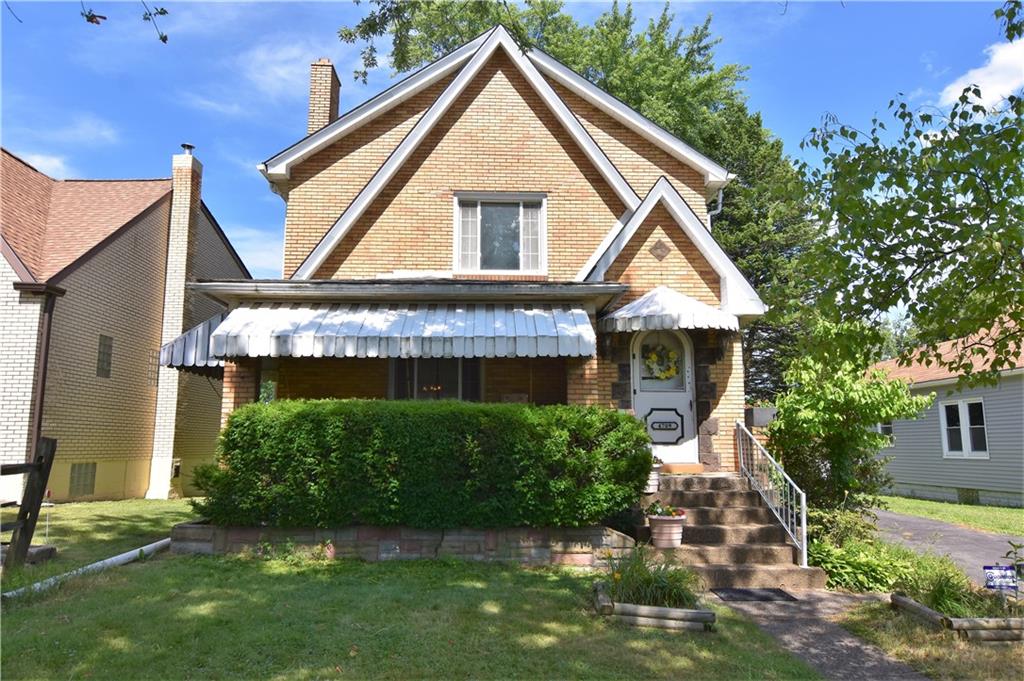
(331,463)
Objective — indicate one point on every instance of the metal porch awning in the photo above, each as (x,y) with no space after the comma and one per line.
(191,350)
(665,308)
(400,330)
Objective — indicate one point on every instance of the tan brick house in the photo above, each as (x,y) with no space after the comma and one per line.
(98,268)
(494,227)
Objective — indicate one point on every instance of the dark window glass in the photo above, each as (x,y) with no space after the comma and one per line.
(403,376)
(471,380)
(885,428)
(954,440)
(975,414)
(499,236)
(437,379)
(952,415)
(104,356)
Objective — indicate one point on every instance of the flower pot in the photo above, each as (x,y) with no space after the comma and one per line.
(653,480)
(666,531)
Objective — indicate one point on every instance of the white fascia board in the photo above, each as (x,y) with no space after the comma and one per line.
(279,166)
(738,296)
(497,39)
(715,176)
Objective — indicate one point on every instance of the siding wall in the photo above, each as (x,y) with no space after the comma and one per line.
(20,314)
(919,468)
(117,293)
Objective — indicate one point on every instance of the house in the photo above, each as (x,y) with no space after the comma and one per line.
(92,281)
(969,445)
(494,227)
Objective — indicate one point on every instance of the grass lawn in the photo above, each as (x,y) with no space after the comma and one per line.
(937,654)
(296,618)
(999,519)
(89,531)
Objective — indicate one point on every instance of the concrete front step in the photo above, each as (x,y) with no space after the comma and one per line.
(716,499)
(761,576)
(734,534)
(734,554)
(702,483)
(738,515)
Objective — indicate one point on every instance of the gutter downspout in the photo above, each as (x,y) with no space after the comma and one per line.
(50,293)
(718,210)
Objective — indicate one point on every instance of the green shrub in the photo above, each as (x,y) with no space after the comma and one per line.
(857,566)
(638,577)
(330,463)
(838,526)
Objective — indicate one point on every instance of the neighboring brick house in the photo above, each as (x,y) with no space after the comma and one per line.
(494,227)
(102,265)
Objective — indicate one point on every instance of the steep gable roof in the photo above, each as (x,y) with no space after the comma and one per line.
(738,296)
(497,39)
(49,224)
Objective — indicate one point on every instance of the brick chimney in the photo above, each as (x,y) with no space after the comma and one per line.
(186,186)
(324,87)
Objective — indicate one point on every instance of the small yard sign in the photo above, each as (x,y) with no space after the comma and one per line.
(1000,577)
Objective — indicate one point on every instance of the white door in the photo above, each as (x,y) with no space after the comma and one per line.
(663,393)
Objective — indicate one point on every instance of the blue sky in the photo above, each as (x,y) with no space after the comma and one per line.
(111,101)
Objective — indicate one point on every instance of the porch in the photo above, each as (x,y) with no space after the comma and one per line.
(674,362)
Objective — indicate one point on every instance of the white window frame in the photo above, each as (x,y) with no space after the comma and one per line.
(965,430)
(501,197)
(892,435)
(416,376)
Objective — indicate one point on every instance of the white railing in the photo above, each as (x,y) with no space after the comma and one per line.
(787,501)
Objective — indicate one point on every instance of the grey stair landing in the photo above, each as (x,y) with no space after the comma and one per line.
(731,539)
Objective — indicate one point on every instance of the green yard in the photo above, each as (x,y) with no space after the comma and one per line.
(86,532)
(999,519)
(205,617)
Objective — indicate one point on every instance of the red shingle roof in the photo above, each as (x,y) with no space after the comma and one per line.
(919,373)
(52,223)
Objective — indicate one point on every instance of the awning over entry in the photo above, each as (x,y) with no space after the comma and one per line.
(402,330)
(666,308)
(191,350)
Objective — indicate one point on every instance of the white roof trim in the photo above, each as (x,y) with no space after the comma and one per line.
(279,166)
(665,308)
(738,296)
(499,38)
(715,176)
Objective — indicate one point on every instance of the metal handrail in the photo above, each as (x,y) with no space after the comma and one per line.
(783,496)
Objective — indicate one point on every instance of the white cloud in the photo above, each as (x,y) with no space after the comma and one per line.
(261,249)
(1002,75)
(280,70)
(202,103)
(84,129)
(50,164)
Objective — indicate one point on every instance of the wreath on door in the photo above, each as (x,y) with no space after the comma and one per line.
(661,363)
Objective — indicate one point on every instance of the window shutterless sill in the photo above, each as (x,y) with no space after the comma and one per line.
(970,457)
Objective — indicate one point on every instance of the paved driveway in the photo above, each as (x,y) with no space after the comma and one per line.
(970,549)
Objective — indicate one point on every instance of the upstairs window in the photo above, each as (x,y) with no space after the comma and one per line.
(104,356)
(963,429)
(500,234)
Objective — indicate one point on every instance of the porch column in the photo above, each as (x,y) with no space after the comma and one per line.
(241,385)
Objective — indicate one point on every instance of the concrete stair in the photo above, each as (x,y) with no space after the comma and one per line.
(731,538)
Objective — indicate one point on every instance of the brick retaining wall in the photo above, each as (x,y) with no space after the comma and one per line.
(580,546)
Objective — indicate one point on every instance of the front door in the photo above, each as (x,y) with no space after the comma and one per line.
(663,393)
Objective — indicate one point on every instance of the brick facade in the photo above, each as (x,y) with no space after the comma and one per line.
(241,385)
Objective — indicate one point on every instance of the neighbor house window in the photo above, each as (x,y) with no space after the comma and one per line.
(104,356)
(83,480)
(963,429)
(436,379)
(885,428)
(500,234)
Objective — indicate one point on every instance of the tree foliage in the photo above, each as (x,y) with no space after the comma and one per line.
(671,77)
(929,217)
(824,433)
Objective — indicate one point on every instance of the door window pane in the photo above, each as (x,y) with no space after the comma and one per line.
(954,440)
(662,362)
(499,236)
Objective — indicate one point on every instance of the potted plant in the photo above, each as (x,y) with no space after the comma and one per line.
(666,525)
(654,479)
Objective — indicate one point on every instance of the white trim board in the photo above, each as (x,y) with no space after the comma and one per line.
(497,39)
(278,167)
(738,296)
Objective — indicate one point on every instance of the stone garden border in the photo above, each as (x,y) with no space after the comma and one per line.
(967,628)
(586,547)
(650,615)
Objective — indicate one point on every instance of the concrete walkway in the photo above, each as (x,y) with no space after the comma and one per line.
(804,628)
(970,549)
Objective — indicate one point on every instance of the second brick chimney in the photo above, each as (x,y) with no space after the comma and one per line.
(324,88)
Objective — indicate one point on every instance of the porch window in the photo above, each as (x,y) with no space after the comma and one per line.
(499,234)
(435,379)
(963,429)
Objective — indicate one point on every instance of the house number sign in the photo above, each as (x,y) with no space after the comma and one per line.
(665,426)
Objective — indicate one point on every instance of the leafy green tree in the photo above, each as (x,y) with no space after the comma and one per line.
(671,77)
(929,217)
(824,433)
